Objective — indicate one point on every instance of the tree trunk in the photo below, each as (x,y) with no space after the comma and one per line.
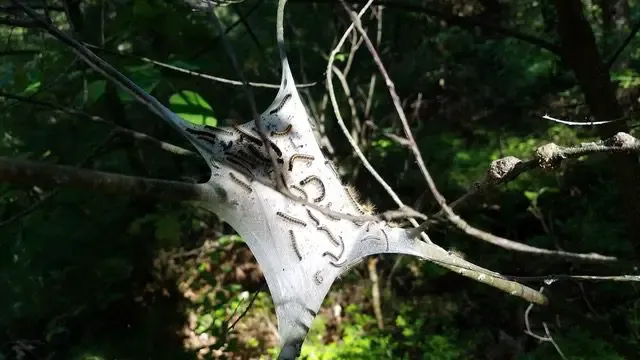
(581,54)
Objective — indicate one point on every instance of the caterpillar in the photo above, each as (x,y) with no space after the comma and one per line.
(303,157)
(330,235)
(353,196)
(213,163)
(386,238)
(244,160)
(301,190)
(315,219)
(202,134)
(239,164)
(311,311)
(281,105)
(320,184)
(275,148)
(338,264)
(248,136)
(212,142)
(291,219)
(254,150)
(295,244)
(284,132)
(240,182)
(227,146)
(218,130)
(336,258)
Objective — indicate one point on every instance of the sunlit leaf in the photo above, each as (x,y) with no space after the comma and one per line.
(190,106)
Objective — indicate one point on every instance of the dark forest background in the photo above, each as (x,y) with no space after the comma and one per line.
(84,275)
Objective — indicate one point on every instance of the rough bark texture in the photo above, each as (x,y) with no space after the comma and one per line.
(581,54)
(30,173)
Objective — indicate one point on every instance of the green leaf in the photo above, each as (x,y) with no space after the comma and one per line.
(531,195)
(190,106)
(32,88)
(95,90)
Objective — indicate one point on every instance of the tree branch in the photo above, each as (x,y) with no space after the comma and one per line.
(22,172)
(546,157)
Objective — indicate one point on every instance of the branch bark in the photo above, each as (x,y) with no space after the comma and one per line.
(23,172)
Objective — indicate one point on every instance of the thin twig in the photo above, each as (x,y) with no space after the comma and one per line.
(623,45)
(343,127)
(195,73)
(451,216)
(251,99)
(578,123)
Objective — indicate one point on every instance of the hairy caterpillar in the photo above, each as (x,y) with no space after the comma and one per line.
(202,135)
(239,164)
(243,159)
(284,132)
(320,184)
(275,148)
(315,219)
(295,244)
(254,150)
(204,138)
(336,258)
(281,105)
(214,129)
(291,219)
(303,157)
(240,182)
(365,209)
(300,190)
(246,134)
(330,235)
(227,146)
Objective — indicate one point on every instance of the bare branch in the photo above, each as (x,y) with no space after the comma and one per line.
(451,216)
(577,123)
(195,73)
(546,157)
(22,172)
